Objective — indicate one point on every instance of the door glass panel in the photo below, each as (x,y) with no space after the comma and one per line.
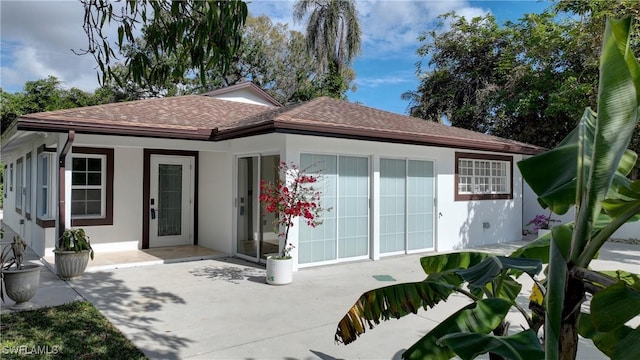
(353,206)
(319,243)
(269,242)
(392,205)
(420,204)
(169,199)
(247,237)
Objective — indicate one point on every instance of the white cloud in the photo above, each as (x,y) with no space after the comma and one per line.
(37,39)
(391,28)
(37,36)
(404,77)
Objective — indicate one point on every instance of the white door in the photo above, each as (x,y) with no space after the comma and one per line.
(171,190)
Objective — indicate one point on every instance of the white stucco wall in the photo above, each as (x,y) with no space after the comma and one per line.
(459,224)
(215,201)
(127,228)
(26,143)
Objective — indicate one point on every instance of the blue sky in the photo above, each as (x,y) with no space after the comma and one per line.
(37,38)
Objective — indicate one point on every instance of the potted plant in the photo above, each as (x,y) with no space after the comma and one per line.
(542,224)
(72,253)
(20,282)
(292,195)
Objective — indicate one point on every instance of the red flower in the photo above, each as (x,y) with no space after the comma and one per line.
(297,199)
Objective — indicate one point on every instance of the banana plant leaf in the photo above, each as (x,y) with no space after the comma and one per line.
(628,201)
(609,342)
(631,279)
(614,306)
(521,346)
(537,249)
(393,301)
(454,261)
(554,300)
(491,267)
(509,288)
(480,317)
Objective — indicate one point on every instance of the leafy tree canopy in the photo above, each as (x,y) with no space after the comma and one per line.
(48,95)
(524,80)
(200,34)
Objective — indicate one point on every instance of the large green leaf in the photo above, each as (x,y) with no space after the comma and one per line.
(582,168)
(454,261)
(491,267)
(537,249)
(618,97)
(629,347)
(521,346)
(509,288)
(480,317)
(614,306)
(554,300)
(626,204)
(393,301)
(604,341)
(631,279)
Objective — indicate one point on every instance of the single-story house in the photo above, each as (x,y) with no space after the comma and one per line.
(186,171)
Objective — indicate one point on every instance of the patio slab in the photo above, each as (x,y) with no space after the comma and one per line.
(222,309)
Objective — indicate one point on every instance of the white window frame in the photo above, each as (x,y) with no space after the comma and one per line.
(44,197)
(11,177)
(28,181)
(19,184)
(477,172)
(102,187)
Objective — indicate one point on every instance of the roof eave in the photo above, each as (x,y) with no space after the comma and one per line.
(404,138)
(373,135)
(31,124)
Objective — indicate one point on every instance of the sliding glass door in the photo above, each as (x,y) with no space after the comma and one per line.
(344,232)
(255,238)
(406,205)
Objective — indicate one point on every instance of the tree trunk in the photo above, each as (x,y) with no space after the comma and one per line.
(574,295)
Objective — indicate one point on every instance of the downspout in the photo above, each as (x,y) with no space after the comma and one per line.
(61,183)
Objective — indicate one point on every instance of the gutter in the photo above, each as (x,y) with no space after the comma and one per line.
(30,124)
(61,183)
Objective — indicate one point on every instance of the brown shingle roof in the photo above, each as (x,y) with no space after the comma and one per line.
(326,116)
(207,118)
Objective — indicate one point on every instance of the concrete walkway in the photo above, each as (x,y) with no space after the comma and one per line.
(222,309)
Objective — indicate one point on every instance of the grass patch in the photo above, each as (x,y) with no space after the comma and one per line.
(72,331)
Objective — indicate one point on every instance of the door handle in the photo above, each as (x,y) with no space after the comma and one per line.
(153,213)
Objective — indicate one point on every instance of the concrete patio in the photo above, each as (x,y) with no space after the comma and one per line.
(222,309)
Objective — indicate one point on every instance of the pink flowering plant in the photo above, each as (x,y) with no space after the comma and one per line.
(542,221)
(294,194)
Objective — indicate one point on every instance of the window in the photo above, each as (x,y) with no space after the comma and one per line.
(19,185)
(92,187)
(27,187)
(11,178)
(44,197)
(88,186)
(5,174)
(483,177)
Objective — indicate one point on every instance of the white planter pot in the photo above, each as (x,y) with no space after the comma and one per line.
(279,271)
(543,232)
(21,285)
(71,264)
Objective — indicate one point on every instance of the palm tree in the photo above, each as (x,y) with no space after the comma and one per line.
(333,31)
